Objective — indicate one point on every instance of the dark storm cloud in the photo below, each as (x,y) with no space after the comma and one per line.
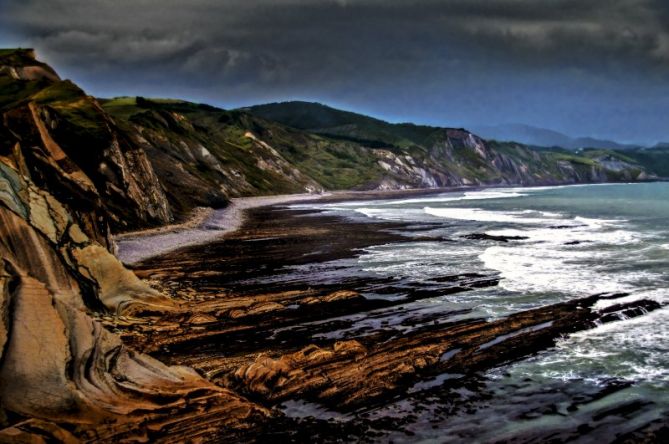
(588,67)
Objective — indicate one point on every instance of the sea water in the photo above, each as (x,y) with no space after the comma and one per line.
(570,242)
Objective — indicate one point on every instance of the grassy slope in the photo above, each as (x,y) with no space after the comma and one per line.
(335,164)
(336,149)
(322,119)
(655,160)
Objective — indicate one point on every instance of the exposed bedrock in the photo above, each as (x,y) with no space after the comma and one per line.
(58,364)
(373,366)
(40,238)
(306,330)
(489,237)
(355,373)
(69,145)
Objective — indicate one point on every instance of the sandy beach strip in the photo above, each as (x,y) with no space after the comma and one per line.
(207,224)
(204,225)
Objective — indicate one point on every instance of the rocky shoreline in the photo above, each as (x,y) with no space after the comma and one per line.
(271,330)
(207,224)
(273,314)
(204,225)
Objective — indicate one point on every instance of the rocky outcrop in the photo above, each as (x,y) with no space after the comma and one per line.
(59,365)
(345,375)
(204,155)
(72,147)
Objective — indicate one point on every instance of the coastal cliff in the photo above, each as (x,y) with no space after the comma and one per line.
(426,157)
(146,162)
(66,177)
(84,341)
(217,154)
(70,144)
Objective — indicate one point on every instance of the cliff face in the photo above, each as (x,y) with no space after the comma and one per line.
(425,156)
(205,155)
(464,158)
(62,185)
(216,154)
(71,146)
(460,158)
(58,365)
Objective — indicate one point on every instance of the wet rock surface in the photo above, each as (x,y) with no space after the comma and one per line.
(278,316)
(490,237)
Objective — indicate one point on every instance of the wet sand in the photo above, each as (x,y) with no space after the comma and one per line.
(204,225)
(207,224)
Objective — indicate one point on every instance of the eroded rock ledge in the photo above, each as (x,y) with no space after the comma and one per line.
(63,375)
(59,364)
(309,335)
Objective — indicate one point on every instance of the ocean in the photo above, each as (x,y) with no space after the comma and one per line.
(562,243)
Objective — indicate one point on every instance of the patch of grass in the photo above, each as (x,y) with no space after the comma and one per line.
(595,153)
(574,159)
(13,92)
(64,91)
(654,160)
(118,101)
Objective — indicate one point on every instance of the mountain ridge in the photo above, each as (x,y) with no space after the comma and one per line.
(325,119)
(544,137)
(357,152)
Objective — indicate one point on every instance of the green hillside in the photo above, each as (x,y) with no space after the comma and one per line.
(319,118)
(151,161)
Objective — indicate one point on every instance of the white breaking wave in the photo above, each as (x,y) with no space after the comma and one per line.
(480,215)
(575,259)
(419,260)
(392,215)
(636,349)
(557,253)
(534,268)
(469,195)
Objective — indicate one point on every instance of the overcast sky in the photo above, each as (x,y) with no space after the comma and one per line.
(585,67)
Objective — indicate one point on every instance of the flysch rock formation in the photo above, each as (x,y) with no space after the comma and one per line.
(61,372)
(288,321)
(69,143)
